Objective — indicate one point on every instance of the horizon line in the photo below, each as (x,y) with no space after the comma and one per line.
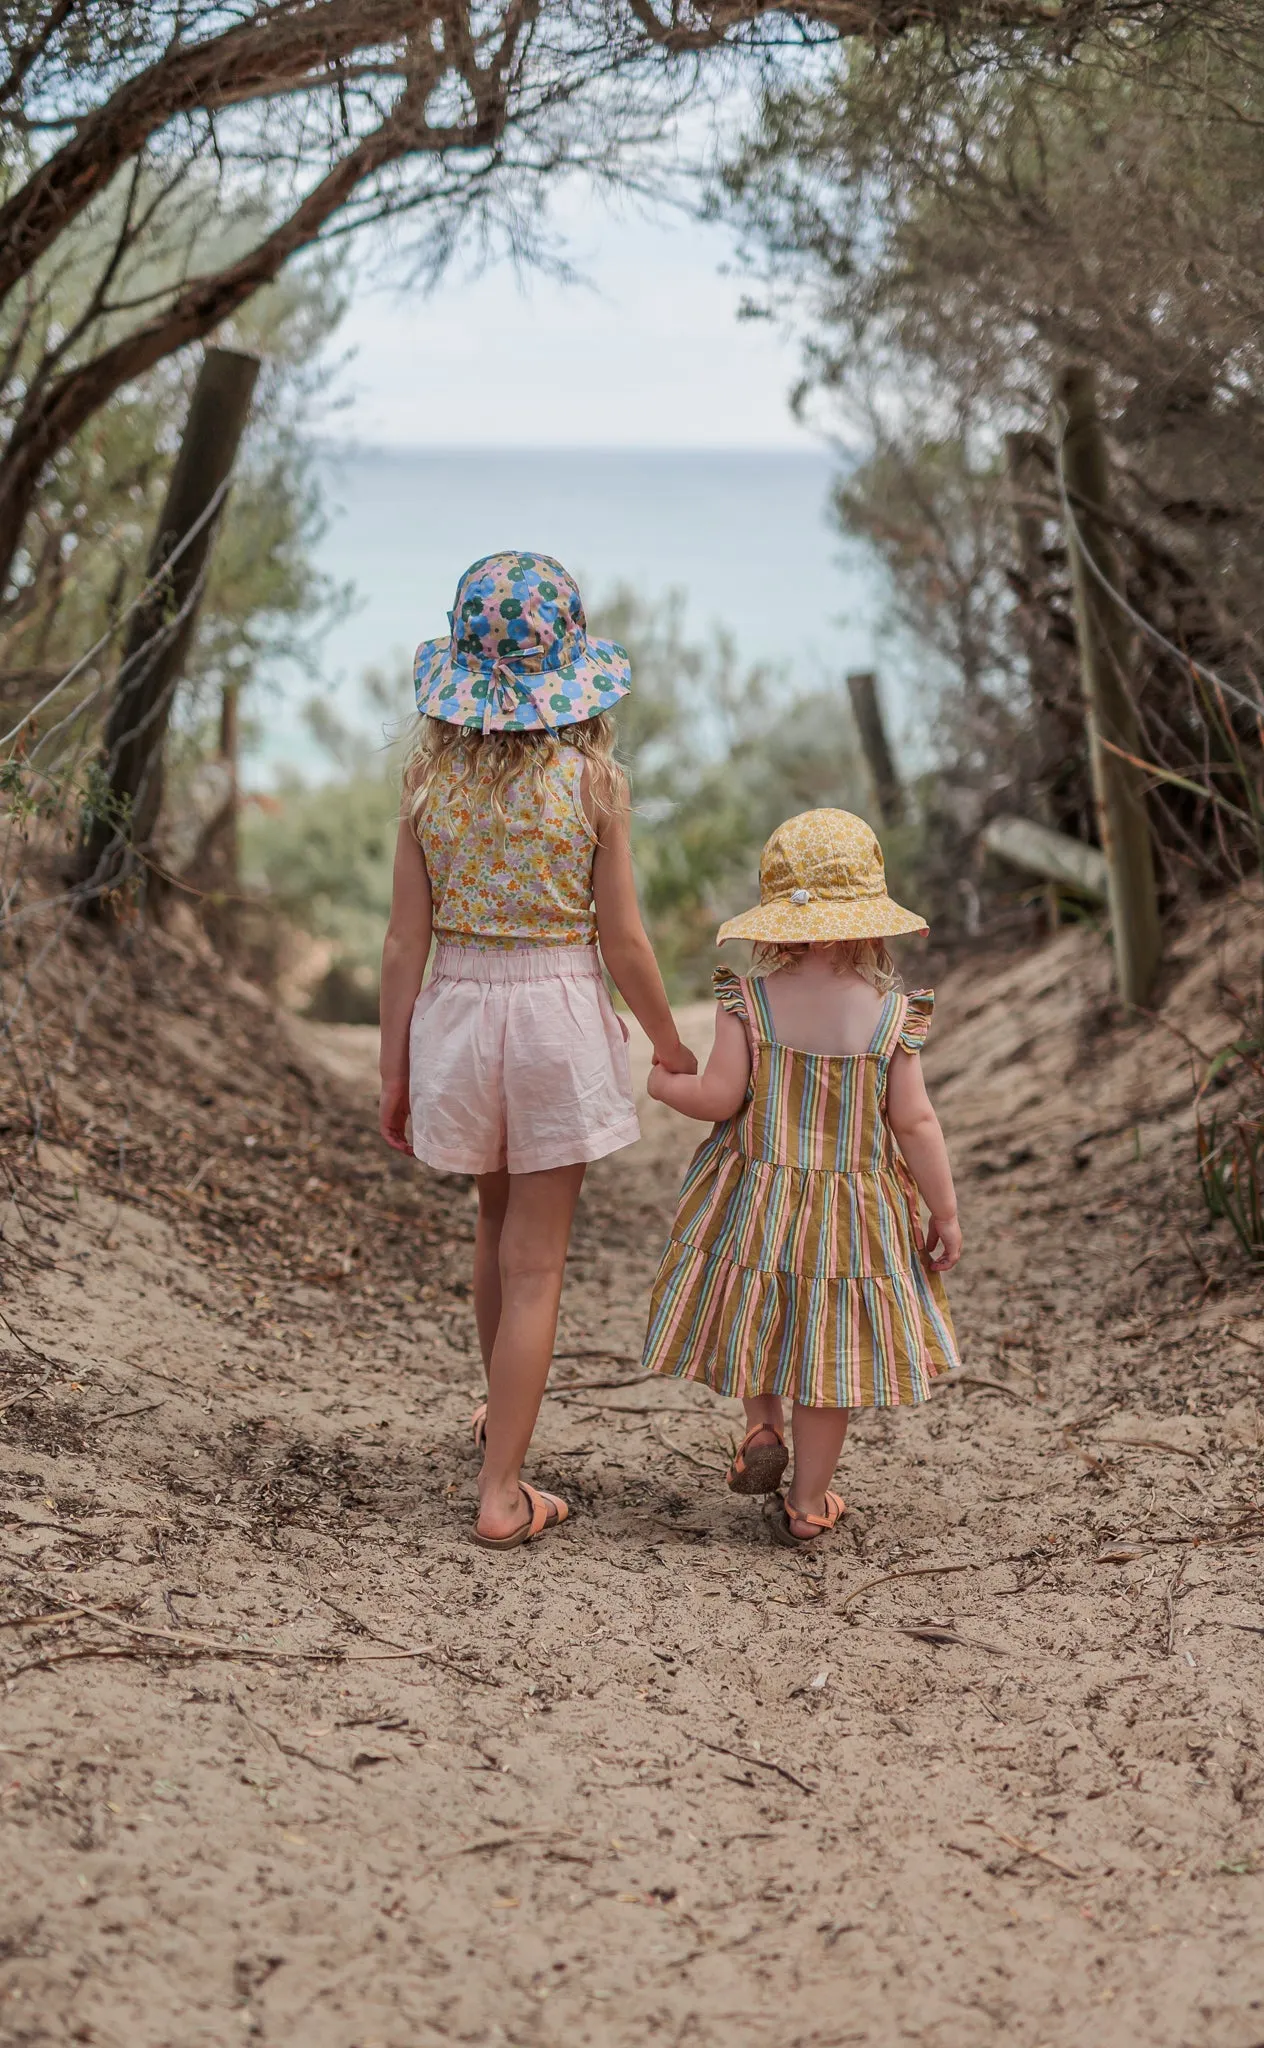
(356,445)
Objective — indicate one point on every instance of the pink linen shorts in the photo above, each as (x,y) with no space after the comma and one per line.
(516,1059)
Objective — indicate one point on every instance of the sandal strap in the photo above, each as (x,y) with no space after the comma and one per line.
(834,1507)
(545,1507)
(739,1456)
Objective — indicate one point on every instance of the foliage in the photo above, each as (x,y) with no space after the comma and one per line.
(321,855)
(947,239)
(312,118)
(99,505)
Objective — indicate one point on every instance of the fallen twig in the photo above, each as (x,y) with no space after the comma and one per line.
(1169,1594)
(27,1345)
(180,1644)
(260,1729)
(932,1632)
(401,1649)
(121,1414)
(764,1763)
(490,1843)
(974,1379)
(1125,1553)
(703,1464)
(1030,1849)
(1148,1443)
(24,1394)
(913,1571)
(62,1528)
(41,1620)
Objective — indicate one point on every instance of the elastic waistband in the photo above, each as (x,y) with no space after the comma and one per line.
(516,963)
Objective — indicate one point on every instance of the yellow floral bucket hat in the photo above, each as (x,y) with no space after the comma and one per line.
(821,879)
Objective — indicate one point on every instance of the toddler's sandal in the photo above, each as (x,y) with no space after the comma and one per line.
(478,1426)
(758,1468)
(548,1511)
(821,1525)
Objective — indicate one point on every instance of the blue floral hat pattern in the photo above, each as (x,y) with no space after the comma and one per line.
(519,657)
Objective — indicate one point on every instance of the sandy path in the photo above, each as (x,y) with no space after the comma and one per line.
(985,1772)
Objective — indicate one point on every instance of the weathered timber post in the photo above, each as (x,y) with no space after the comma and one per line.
(1105,639)
(125,814)
(867,711)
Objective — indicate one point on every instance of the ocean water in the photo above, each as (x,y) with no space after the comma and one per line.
(745,537)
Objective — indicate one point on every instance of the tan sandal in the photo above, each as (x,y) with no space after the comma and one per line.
(782,1532)
(547,1512)
(759,1469)
(478,1426)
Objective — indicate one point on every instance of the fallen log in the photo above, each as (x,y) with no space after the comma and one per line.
(1054,855)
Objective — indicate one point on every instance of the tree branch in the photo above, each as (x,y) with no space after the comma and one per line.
(291,48)
(54,414)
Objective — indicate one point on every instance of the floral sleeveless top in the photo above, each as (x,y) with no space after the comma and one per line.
(524,883)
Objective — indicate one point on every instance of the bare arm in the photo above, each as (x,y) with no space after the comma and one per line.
(624,946)
(404,956)
(721,1090)
(917,1132)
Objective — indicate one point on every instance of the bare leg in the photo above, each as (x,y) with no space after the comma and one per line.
(493,1199)
(818,1445)
(534,1237)
(764,1413)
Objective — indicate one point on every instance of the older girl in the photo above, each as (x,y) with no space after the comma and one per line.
(513,856)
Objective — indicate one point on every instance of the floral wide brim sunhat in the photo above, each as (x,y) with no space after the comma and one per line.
(821,879)
(519,657)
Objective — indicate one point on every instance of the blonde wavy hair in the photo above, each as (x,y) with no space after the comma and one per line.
(492,762)
(869,958)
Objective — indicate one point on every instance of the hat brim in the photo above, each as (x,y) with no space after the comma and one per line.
(822,922)
(449,690)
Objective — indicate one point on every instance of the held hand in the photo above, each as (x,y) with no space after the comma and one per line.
(393,1114)
(943,1243)
(677,1059)
(654,1086)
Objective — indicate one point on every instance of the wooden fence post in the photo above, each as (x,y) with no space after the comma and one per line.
(126,813)
(867,711)
(1105,638)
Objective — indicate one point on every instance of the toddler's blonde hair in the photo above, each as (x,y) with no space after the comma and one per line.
(868,958)
(492,761)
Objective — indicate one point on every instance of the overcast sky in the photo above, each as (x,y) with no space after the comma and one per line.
(647,353)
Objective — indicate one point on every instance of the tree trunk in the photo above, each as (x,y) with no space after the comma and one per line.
(1105,638)
(124,818)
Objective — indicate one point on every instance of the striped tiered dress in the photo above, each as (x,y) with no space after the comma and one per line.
(795,1263)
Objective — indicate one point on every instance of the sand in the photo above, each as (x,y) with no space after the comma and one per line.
(285,1759)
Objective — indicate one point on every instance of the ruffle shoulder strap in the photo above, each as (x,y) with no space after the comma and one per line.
(728,991)
(917,1015)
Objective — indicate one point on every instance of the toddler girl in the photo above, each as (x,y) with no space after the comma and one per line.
(797,1266)
(513,855)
